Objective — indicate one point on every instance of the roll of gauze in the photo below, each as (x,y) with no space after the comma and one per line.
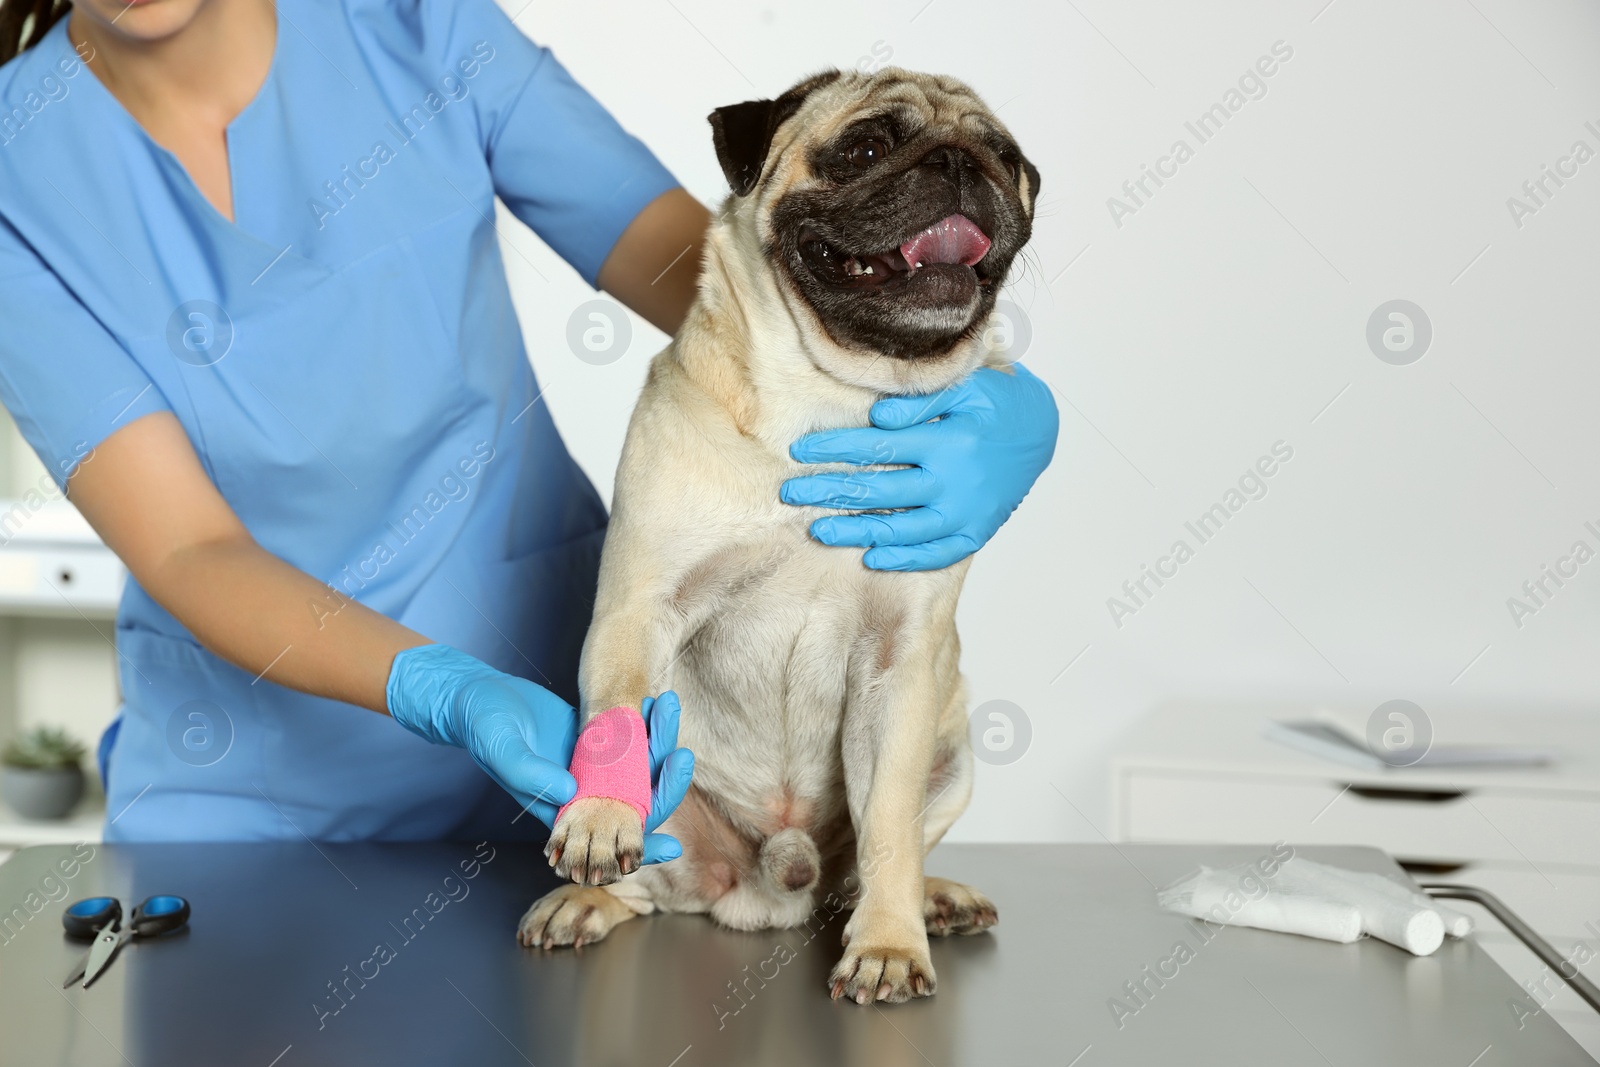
(1456,923)
(1313,899)
(1224,896)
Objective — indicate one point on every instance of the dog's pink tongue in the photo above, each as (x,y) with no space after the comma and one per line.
(953,240)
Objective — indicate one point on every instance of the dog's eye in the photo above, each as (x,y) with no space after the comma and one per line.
(864,154)
(1013,164)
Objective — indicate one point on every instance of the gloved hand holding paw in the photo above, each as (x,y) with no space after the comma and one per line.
(523,735)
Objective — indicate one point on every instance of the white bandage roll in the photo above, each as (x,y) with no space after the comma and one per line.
(1313,899)
(1225,897)
(1452,922)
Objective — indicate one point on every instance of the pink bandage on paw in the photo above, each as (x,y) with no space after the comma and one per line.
(612,759)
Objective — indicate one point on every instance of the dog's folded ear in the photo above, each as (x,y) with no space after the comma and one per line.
(1031,172)
(742,133)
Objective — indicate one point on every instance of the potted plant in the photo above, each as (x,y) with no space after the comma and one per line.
(41,773)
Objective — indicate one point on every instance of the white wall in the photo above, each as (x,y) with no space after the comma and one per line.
(1221,317)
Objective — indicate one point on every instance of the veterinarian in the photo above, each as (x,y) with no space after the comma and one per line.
(257,325)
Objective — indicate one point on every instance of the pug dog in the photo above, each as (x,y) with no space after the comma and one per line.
(872,220)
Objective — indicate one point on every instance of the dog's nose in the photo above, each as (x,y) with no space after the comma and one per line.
(957,164)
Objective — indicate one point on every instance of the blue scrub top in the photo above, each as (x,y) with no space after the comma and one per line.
(345,358)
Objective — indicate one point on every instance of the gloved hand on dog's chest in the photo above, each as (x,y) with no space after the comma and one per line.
(974,450)
(523,735)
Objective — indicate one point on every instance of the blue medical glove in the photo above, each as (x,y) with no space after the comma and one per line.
(974,450)
(671,769)
(522,734)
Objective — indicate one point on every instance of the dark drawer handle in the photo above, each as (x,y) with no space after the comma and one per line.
(1415,796)
(1430,868)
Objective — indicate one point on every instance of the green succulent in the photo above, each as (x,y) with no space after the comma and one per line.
(43,748)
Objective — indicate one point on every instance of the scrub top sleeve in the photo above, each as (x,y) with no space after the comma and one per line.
(568,169)
(68,384)
(558,159)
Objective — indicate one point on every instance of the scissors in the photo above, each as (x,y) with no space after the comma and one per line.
(100,919)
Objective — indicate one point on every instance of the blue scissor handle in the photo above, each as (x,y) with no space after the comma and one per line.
(86,918)
(159,915)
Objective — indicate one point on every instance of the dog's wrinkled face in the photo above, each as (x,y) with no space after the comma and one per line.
(891,204)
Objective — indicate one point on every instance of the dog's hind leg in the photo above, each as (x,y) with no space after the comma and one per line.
(950,907)
(579,915)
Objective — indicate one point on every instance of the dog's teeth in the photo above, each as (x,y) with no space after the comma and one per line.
(867,270)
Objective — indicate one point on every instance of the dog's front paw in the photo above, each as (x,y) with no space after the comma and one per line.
(597,840)
(575,915)
(952,908)
(881,972)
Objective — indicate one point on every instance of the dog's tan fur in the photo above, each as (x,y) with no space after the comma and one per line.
(823,700)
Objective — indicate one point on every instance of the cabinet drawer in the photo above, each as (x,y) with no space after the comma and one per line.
(60,578)
(1478,825)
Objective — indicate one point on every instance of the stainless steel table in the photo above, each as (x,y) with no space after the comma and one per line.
(281,967)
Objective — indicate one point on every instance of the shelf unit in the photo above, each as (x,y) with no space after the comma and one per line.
(1205,774)
(53,566)
(59,589)
(87,823)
